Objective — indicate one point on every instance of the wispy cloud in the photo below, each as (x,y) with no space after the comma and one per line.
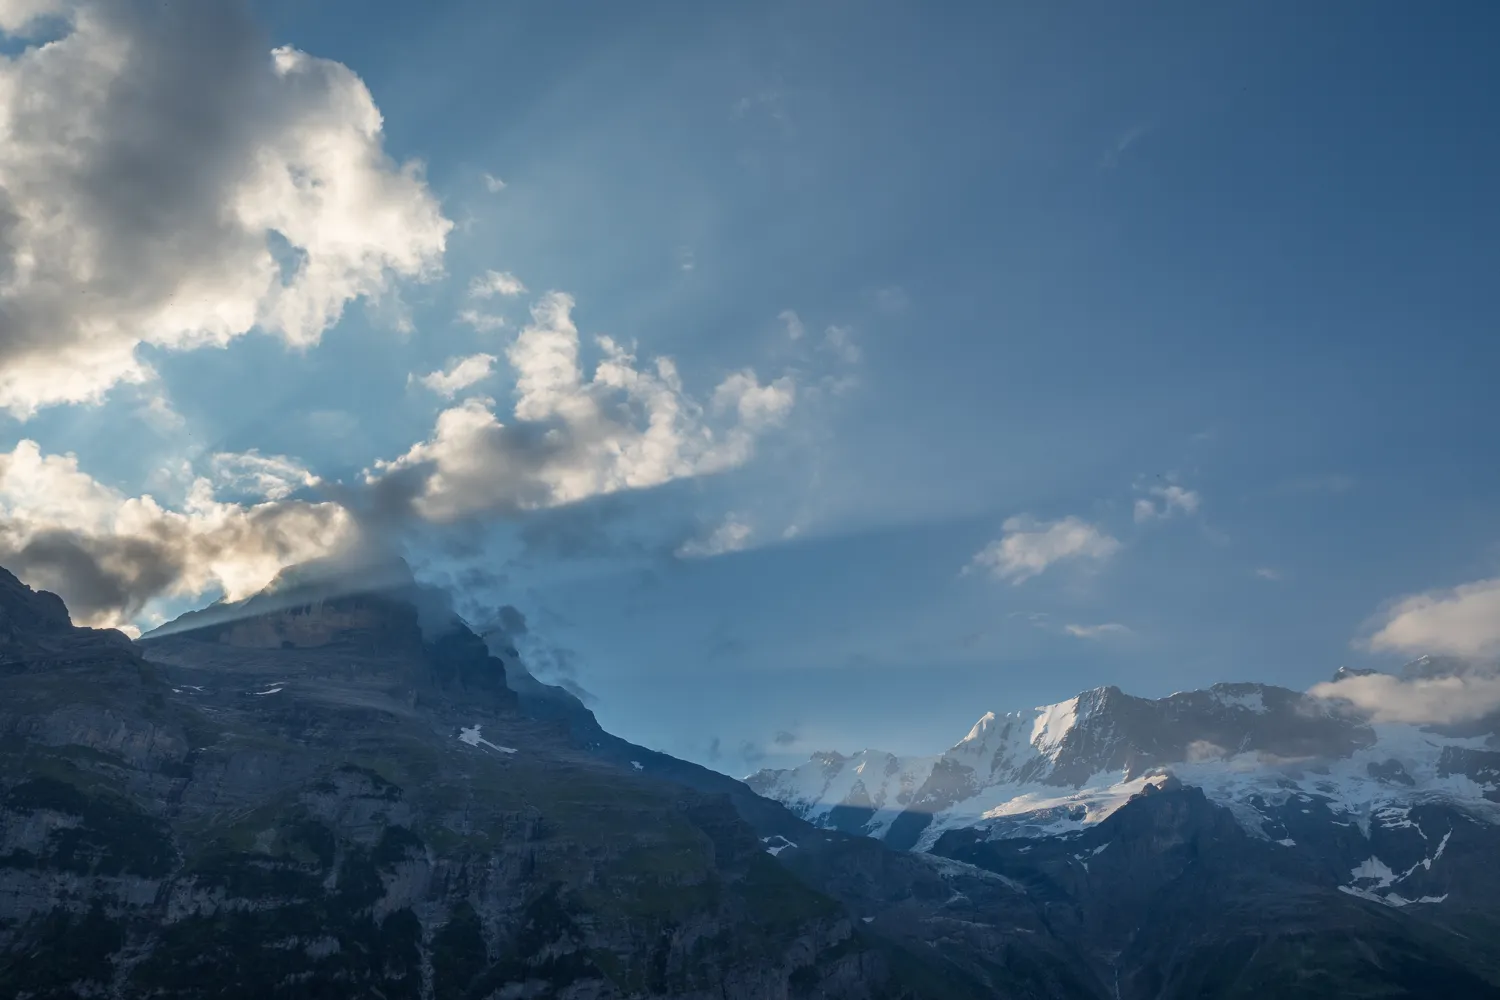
(1327,484)
(492,283)
(481,321)
(1267,573)
(265,477)
(732,535)
(793,324)
(840,341)
(891,299)
(459,374)
(1128,138)
(1164,501)
(1029,547)
(1105,630)
(493,184)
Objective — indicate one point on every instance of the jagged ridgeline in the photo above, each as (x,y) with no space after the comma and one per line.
(336,789)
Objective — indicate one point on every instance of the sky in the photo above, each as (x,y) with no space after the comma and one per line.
(806,375)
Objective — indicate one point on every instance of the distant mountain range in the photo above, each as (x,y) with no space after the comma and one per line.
(1377,802)
(338,789)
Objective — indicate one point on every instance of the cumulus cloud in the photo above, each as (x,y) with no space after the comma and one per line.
(493,184)
(1425,700)
(626,427)
(1164,502)
(493,283)
(165,180)
(1461,621)
(460,374)
(108,554)
(1029,546)
(1102,631)
(730,536)
(267,477)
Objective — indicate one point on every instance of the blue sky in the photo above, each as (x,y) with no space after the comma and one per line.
(1213,281)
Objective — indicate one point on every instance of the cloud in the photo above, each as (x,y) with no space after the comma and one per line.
(730,536)
(481,321)
(784,738)
(1462,621)
(459,374)
(1332,483)
(840,341)
(892,299)
(1103,631)
(1164,502)
(493,184)
(793,324)
(492,283)
(1267,573)
(1030,546)
(108,554)
(1428,700)
(1127,139)
(266,477)
(167,181)
(626,427)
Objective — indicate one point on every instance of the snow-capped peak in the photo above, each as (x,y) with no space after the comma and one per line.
(1055,768)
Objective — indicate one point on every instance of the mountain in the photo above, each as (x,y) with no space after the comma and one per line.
(336,788)
(333,789)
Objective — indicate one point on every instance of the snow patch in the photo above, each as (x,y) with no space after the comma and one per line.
(472,737)
(273,689)
(638,765)
(776,843)
(1252,701)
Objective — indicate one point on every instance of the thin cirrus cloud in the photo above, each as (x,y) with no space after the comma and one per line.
(140,228)
(1030,547)
(459,374)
